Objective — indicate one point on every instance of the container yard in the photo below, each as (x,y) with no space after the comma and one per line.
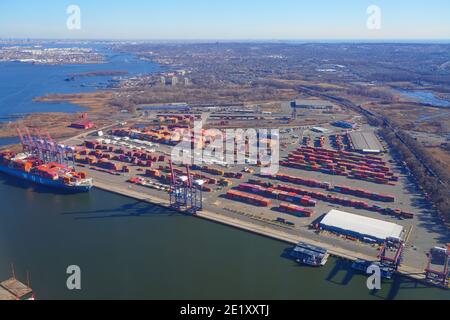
(248,198)
(296,210)
(342,163)
(318,174)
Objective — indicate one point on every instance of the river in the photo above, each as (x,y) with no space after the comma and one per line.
(424,97)
(132,250)
(21,82)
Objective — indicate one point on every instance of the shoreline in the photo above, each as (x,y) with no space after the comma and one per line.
(96,104)
(336,252)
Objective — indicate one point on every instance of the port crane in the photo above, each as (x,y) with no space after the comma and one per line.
(64,154)
(34,145)
(391,253)
(23,141)
(45,148)
(176,192)
(294,110)
(194,194)
(442,256)
(184,192)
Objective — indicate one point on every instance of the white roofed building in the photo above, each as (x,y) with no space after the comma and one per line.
(363,228)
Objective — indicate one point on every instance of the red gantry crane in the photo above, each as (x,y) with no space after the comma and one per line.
(438,257)
(391,253)
(43,147)
(176,192)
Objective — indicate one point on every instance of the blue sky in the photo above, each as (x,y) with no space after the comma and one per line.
(226,19)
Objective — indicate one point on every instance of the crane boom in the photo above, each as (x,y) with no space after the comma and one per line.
(189,176)
(172,173)
(20,135)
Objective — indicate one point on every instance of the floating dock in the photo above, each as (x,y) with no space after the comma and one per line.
(310,255)
(13,289)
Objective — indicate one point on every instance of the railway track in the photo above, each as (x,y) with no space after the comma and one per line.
(348,104)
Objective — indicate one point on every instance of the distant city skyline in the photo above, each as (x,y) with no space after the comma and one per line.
(324,20)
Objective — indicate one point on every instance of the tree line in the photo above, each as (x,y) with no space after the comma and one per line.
(436,188)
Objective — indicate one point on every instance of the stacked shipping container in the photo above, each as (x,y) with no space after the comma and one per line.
(343,163)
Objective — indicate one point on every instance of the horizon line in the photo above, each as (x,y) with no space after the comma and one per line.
(312,40)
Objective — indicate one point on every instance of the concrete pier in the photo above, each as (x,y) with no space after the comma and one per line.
(260,230)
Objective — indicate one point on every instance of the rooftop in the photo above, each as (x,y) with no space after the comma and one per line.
(365,141)
(364,226)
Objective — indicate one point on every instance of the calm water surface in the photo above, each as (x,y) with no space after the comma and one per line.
(425,97)
(132,250)
(21,82)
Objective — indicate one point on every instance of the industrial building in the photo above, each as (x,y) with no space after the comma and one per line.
(343,124)
(365,142)
(320,130)
(173,107)
(311,104)
(83,123)
(360,227)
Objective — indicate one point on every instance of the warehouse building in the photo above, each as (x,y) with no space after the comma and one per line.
(83,123)
(313,104)
(365,142)
(320,130)
(173,107)
(343,124)
(360,227)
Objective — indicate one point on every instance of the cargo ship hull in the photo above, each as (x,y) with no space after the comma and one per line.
(45,182)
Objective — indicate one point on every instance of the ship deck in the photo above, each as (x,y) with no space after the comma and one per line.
(5,295)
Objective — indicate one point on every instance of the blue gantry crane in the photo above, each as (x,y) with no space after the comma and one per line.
(185,193)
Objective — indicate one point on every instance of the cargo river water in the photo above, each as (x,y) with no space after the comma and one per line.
(132,250)
(20,83)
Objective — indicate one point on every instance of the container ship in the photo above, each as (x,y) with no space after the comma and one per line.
(51,174)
